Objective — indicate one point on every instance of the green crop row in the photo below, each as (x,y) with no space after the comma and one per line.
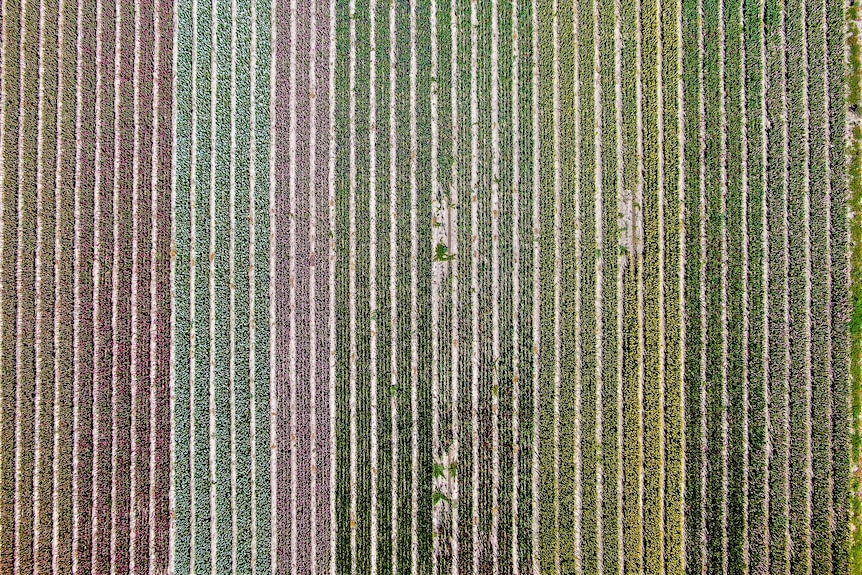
(821,341)
(632,394)
(779,550)
(590,256)
(847,493)
(654,307)
(43,289)
(798,190)
(183,297)
(674,415)
(549,500)
(716,410)
(26,246)
(758,397)
(845,383)
(737,346)
(694,259)
(611,287)
(528,299)
(570,262)
(8,252)
(64,312)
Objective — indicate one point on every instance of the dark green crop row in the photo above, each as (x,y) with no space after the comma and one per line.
(779,550)
(848,536)
(737,346)
(845,302)
(799,518)
(821,411)
(758,396)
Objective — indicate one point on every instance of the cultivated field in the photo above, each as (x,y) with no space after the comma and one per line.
(426,287)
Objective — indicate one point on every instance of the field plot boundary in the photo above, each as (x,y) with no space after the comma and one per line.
(431,287)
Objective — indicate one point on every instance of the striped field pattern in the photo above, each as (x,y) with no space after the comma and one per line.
(431,287)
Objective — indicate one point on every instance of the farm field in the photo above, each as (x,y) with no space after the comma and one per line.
(431,287)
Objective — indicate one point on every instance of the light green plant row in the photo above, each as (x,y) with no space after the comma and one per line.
(64,351)
(590,336)
(633,456)
(652,285)
(610,259)
(549,536)
(569,368)
(693,154)
(674,414)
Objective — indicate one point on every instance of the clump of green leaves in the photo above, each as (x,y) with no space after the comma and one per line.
(441,254)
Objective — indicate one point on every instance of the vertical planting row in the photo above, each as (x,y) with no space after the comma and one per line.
(674,397)
(570,262)
(758,396)
(714,166)
(590,259)
(845,303)
(549,536)
(631,231)
(612,262)
(9,98)
(46,134)
(820,294)
(653,286)
(799,273)
(779,551)
(736,207)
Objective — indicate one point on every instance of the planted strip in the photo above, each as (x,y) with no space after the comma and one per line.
(102,250)
(716,380)
(799,296)
(820,287)
(758,344)
(43,291)
(64,368)
(736,234)
(844,193)
(184,277)
(140,308)
(83,336)
(694,288)
(776,103)
(673,146)
(548,537)
(589,123)
(162,293)
(9,119)
(568,339)
(629,205)
(654,284)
